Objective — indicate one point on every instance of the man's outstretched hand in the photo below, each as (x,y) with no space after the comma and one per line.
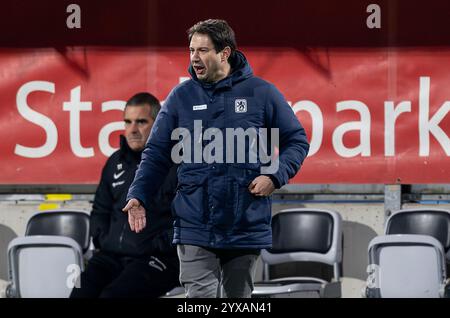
(136,215)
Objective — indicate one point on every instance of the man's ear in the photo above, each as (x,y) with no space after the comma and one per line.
(226,52)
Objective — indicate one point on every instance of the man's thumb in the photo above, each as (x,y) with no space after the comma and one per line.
(129,205)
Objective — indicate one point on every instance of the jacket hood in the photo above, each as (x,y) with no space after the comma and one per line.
(240,69)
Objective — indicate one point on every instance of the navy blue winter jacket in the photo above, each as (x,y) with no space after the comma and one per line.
(213,206)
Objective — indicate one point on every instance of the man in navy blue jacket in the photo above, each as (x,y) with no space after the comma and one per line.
(222,207)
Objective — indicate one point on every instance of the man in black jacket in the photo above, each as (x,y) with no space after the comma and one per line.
(128,264)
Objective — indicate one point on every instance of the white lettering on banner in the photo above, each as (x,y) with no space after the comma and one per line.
(105,132)
(317,123)
(74,107)
(36,118)
(426,125)
(391,114)
(363,126)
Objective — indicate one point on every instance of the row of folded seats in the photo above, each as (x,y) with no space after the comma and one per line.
(409,260)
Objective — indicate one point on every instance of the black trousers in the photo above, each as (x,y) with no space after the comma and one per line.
(111,276)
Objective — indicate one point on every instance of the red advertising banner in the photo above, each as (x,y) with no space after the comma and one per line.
(371,115)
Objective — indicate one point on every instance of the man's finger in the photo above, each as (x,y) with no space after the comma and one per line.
(256,189)
(131,221)
(138,225)
(137,228)
(142,222)
(252,185)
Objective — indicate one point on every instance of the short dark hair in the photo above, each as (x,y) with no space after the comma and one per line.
(219,31)
(145,98)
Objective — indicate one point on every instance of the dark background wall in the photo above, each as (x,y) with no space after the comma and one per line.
(258,23)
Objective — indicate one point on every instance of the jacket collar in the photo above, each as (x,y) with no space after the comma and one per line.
(127,153)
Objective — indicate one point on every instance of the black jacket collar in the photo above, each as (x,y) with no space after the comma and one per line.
(127,153)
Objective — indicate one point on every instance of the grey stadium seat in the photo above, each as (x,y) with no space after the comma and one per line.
(434,222)
(46,261)
(303,235)
(69,223)
(406,266)
(43,266)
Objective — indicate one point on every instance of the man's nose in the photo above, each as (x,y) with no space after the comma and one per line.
(134,127)
(195,56)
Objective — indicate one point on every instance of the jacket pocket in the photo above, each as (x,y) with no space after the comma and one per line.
(253,213)
(190,202)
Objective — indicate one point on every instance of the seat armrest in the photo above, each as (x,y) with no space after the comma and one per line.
(331,290)
(445,292)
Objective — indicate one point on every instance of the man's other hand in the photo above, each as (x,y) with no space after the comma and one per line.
(261,186)
(136,215)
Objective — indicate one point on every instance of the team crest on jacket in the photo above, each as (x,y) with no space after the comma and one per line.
(240,105)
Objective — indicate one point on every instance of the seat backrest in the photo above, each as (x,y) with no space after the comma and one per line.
(306,235)
(302,231)
(405,266)
(434,222)
(44,266)
(73,224)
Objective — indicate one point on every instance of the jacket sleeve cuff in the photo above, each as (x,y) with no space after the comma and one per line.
(275,181)
(141,202)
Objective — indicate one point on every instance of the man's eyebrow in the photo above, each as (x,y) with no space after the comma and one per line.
(139,120)
(200,48)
